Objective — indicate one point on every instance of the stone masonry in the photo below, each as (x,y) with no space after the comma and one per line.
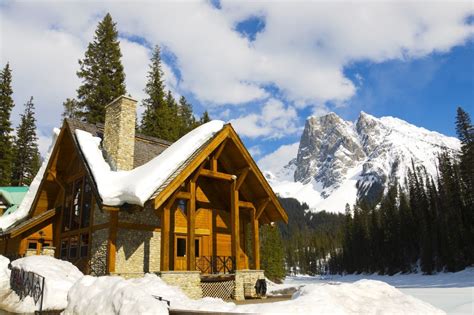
(119,132)
(188,281)
(246,278)
(138,252)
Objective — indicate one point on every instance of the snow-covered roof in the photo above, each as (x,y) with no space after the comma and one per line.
(138,185)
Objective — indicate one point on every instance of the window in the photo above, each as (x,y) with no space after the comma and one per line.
(86,204)
(181,247)
(73,247)
(196,248)
(32,245)
(76,204)
(67,209)
(64,248)
(76,219)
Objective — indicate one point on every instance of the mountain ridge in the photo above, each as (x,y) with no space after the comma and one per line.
(341,161)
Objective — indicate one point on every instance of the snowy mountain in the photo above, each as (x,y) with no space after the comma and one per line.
(339,161)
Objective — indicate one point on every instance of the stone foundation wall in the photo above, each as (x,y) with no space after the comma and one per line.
(138,252)
(100,216)
(188,281)
(246,278)
(99,252)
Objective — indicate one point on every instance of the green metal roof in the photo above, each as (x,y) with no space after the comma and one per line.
(13,196)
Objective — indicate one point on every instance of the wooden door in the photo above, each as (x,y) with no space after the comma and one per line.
(180,252)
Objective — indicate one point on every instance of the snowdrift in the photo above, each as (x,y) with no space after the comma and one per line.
(67,288)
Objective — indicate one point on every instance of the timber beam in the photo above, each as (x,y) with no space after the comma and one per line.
(242,175)
(217,175)
(261,207)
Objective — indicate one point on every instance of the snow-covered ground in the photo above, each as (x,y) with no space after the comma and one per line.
(451,292)
(67,288)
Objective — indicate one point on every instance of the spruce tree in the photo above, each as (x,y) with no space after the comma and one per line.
(465,132)
(160,116)
(272,253)
(101,71)
(205,118)
(26,154)
(6,145)
(71,109)
(186,117)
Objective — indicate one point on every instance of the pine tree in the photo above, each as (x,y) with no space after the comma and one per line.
(160,118)
(101,71)
(6,145)
(71,109)
(205,118)
(272,253)
(186,117)
(27,157)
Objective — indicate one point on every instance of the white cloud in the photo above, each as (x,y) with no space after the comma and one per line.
(279,158)
(302,50)
(274,121)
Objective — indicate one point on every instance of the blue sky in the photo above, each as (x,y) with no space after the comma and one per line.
(263,67)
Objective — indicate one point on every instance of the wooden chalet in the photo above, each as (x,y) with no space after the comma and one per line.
(202,220)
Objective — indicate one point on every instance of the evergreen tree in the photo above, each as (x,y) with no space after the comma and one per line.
(160,118)
(186,117)
(205,118)
(27,157)
(6,145)
(101,71)
(71,109)
(272,253)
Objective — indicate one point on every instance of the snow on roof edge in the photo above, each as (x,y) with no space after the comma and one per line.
(138,185)
(25,205)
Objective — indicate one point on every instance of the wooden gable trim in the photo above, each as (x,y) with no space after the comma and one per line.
(188,170)
(52,157)
(38,220)
(273,198)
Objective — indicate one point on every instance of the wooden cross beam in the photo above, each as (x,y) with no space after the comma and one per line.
(217,175)
(262,205)
(242,175)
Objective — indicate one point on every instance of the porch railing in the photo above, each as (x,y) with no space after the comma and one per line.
(215,264)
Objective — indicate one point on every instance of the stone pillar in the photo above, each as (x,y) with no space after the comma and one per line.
(247,278)
(48,251)
(188,281)
(119,132)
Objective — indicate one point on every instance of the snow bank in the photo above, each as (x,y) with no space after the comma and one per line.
(24,207)
(59,277)
(362,297)
(138,185)
(115,295)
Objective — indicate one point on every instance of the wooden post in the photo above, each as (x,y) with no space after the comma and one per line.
(235,226)
(112,242)
(165,239)
(191,253)
(256,240)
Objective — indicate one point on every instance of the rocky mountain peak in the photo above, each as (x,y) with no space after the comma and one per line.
(340,161)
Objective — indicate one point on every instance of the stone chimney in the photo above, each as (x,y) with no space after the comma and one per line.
(119,132)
